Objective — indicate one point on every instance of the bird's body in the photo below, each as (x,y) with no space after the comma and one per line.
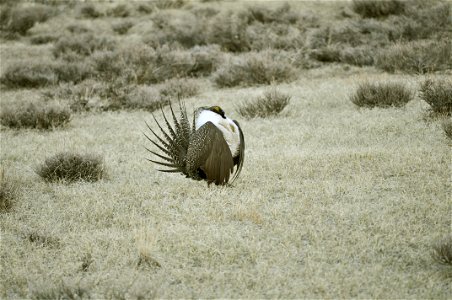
(208,150)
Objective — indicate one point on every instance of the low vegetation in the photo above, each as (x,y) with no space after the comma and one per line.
(8,192)
(378,9)
(438,94)
(70,167)
(271,103)
(19,19)
(60,291)
(447,126)
(381,95)
(33,115)
(254,68)
(442,252)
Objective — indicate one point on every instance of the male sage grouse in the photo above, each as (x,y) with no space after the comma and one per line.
(206,150)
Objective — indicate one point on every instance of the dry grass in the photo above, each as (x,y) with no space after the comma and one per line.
(381,95)
(442,252)
(447,126)
(8,192)
(332,202)
(72,167)
(378,9)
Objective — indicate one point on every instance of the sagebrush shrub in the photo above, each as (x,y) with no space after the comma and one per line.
(438,93)
(119,11)
(122,27)
(377,8)
(442,251)
(381,95)
(270,104)
(281,14)
(43,116)
(43,39)
(32,74)
(179,88)
(81,45)
(275,36)
(447,126)
(89,11)
(416,57)
(19,19)
(168,4)
(72,167)
(8,192)
(254,68)
(228,29)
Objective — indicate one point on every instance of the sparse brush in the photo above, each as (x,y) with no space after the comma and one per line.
(270,104)
(20,19)
(122,27)
(228,29)
(275,36)
(438,93)
(447,126)
(70,167)
(43,39)
(89,11)
(42,240)
(47,116)
(254,68)
(326,54)
(281,14)
(416,57)
(381,95)
(359,56)
(168,4)
(81,45)
(377,8)
(179,88)
(8,192)
(442,252)
(119,11)
(33,74)
(61,291)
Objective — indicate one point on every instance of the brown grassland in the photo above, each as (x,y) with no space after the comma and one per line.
(343,194)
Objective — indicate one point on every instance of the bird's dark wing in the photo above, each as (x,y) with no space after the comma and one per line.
(238,160)
(209,152)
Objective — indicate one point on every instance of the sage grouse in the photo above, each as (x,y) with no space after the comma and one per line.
(209,149)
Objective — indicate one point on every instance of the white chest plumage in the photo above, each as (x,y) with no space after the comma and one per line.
(229,129)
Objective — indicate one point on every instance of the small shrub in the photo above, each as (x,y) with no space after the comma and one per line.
(326,54)
(447,126)
(179,88)
(122,27)
(89,11)
(72,167)
(43,39)
(276,36)
(144,97)
(20,19)
(359,56)
(77,28)
(33,116)
(119,11)
(145,8)
(253,68)
(416,57)
(270,104)
(282,14)
(378,9)
(61,291)
(168,4)
(35,74)
(438,94)
(228,30)
(8,192)
(42,240)
(442,252)
(81,45)
(381,95)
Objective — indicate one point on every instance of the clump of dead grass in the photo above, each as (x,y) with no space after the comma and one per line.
(60,291)
(8,192)
(122,27)
(378,9)
(42,239)
(179,88)
(146,242)
(381,95)
(89,11)
(416,57)
(31,115)
(438,94)
(271,103)
(254,68)
(447,126)
(81,45)
(442,252)
(119,11)
(70,167)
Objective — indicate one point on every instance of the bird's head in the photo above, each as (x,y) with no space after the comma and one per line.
(215,109)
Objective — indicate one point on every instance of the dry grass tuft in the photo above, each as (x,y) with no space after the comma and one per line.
(169,4)
(270,104)
(89,11)
(76,46)
(87,260)
(8,192)
(381,95)
(146,243)
(122,27)
(43,39)
(438,93)
(442,252)
(61,291)
(19,19)
(47,116)
(416,57)
(42,240)
(378,9)
(254,68)
(179,88)
(447,126)
(72,167)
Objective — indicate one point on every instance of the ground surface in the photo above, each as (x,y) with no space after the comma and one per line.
(333,201)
